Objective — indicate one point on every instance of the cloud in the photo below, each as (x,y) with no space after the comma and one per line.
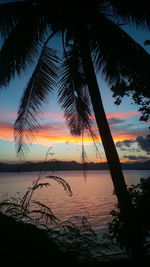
(131,131)
(5,125)
(8,115)
(60,116)
(114,121)
(54,132)
(53,127)
(6,131)
(144,143)
(125,143)
(122,114)
(137,158)
(49,133)
(57,132)
(53,116)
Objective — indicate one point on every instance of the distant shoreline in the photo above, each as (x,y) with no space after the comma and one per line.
(67,166)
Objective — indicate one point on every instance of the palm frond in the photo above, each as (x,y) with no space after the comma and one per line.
(61,182)
(21,48)
(73,94)
(126,69)
(44,213)
(11,13)
(40,84)
(116,63)
(26,199)
(137,12)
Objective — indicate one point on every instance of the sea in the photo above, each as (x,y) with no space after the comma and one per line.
(92,194)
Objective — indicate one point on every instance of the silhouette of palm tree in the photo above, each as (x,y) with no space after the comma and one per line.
(93,41)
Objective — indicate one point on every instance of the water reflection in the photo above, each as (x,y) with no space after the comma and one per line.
(93,199)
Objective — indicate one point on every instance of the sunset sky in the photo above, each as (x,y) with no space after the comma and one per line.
(129,133)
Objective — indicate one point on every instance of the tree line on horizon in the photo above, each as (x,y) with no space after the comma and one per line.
(55,166)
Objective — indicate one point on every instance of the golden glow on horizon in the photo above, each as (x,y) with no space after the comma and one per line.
(68,139)
(48,136)
(57,132)
(67,147)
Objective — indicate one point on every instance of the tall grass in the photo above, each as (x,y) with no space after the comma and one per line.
(79,239)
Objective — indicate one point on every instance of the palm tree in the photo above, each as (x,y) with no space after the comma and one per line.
(93,41)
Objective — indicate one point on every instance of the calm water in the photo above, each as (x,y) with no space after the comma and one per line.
(92,198)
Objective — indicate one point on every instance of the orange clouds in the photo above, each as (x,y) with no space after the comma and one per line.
(60,116)
(119,115)
(57,131)
(6,131)
(123,137)
(48,134)
(53,133)
(122,114)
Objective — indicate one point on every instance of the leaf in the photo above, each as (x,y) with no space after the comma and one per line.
(73,92)
(40,84)
(62,182)
(137,12)
(45,211)
(11,13)
(22,45)
(119,58)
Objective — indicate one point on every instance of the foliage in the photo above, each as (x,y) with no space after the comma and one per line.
(122,61)
(32,25)
(25,207)
(37,89)
(140,196)
(76,238)
(133,87)
(73,93)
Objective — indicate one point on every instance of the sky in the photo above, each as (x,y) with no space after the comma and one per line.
(130,134)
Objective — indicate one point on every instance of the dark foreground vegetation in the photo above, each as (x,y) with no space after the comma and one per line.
(65,244)
(23,244)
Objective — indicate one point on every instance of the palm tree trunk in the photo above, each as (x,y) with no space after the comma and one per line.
(118,180)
